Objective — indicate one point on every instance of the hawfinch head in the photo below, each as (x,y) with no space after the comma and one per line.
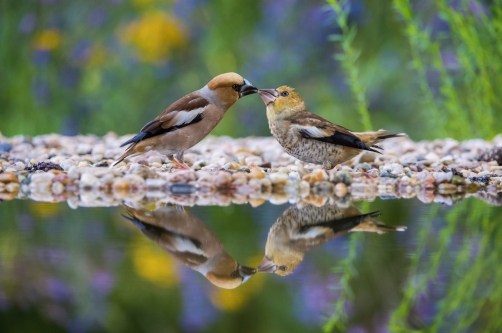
(282,99)
(229,87)
(229,274)
(281,263)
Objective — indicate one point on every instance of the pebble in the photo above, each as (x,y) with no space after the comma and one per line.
(256,169)
(340,190)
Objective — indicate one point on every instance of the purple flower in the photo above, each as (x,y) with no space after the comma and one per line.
(27,23)
(81,51)
(98,17)
(103,282)
(58,290)
(41,57)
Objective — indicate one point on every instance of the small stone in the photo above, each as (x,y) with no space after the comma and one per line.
(457,180)
(344,177)
(5,147)
(231,166)
(324,188)
(8,177)
(136,181)
(278,178)
(57,188)
(12,187)
(88,180)
(256,202)
(340,190)
(442,177)
(446,188)
(83,164)
(155,183)
(257,173)
(98,149)
(222,179)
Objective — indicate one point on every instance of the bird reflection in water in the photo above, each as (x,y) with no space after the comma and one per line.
(299,230)
(189,241)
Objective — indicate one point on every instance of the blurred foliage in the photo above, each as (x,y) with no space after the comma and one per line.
(97,66)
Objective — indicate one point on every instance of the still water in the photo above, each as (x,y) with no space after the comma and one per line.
(382,266)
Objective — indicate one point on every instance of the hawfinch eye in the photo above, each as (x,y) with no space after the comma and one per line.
(284,94)
(235,87)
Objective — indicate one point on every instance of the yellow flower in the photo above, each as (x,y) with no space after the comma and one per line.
(145,3)
(48,39)
(153,264)
(154,36)
(44,209)
(97,56)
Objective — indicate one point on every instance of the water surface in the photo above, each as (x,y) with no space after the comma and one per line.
(122,269)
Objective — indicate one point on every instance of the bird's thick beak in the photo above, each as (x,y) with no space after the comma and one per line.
(246,272)
(268,95)
(247,89)
(267,265)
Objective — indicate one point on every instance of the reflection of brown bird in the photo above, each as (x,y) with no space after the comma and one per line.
(311,138)
(190,242)
(299,230)
(190,119)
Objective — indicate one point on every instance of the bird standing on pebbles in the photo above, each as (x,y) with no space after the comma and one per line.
(190,119)
(311,138)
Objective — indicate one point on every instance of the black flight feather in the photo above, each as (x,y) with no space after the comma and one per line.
(341,139)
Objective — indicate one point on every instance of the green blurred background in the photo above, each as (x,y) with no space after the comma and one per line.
(429,68)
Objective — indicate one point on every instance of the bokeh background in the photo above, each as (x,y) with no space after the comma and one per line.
(432,69)
(429,68)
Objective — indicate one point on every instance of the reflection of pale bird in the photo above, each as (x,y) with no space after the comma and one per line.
(311,138)
(190,119)
(190,241)
(299,230)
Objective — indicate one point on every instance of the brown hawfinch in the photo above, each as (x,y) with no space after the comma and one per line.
(190,119)
(299,230)
(311,138)
(189,241)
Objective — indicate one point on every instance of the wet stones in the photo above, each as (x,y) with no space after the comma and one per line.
(224,170)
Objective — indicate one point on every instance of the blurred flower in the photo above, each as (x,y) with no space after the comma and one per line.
(98,17)
(58,289)
(197,312)
(154,36)
(153,264)
(41,57)
(43,209)
(144,3)
(27,23)
(48,39)
(69,77)
(102,282)
(97,56)
(81,50)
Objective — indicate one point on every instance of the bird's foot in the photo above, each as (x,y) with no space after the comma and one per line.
(180,165)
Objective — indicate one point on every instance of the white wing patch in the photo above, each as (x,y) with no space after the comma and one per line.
(311,233)
(312,131)
(186,117)
(182,244)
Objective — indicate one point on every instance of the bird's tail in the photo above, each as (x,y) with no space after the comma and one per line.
(129,152)
(372,138)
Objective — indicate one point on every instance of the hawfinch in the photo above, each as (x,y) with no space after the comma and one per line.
(189,241)
(299,230)
(190,119)
(311,138)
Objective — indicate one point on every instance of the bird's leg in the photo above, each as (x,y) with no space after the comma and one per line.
(178,160)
